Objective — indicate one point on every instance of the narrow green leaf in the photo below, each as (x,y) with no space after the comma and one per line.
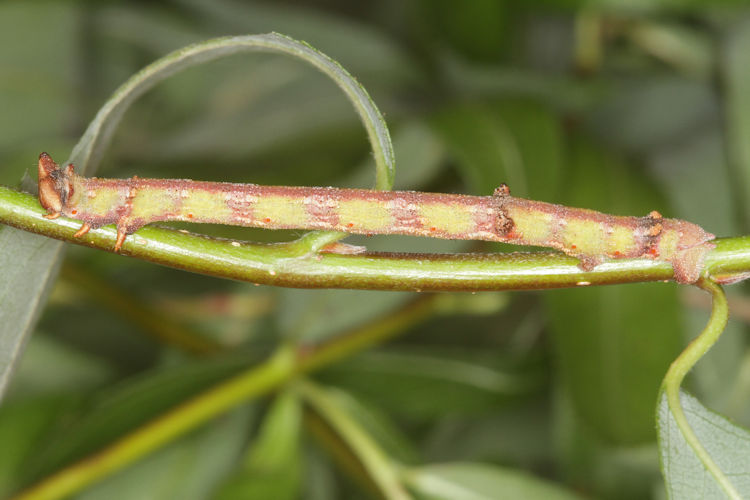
(591,463)
(272,468)
(633,116)
(430,385)
(471,481)
(685,472)
(278,440)
(612,358)
(514,142)
(125,408)
(364,48)
(483,147)
(51,365)
(25,427)
(315,315)
(480,30)
(736,78)
(378,426)
(40,80)
(539,138)
(380,467)
(29,266)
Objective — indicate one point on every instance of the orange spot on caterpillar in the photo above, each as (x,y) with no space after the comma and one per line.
(433,228)
(573,247)
(73,212)
(617,253)
(190,216)
(351,224)
(653,251)
(267,220)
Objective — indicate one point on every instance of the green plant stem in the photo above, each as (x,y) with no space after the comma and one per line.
(254,382)
(342,456)
(164,429)
(286,265)
(683,364)
(379,467)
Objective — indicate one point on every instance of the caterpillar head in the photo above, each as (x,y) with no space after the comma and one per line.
(692,248)
(54,184)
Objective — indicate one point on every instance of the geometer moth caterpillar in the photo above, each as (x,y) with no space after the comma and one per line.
(590,236)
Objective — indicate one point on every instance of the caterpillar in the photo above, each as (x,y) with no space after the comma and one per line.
(590,236)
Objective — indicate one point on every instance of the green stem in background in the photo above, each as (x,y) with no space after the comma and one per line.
(158,432)
(282,265)
(680,368)
(254,382)
(379,467)
(588,40)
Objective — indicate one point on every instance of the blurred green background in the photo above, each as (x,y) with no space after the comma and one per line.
(619,106)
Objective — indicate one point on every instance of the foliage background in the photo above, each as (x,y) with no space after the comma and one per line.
(609,105)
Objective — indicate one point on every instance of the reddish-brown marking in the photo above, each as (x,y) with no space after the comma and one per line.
(405,213)
(322,210)
(504,224)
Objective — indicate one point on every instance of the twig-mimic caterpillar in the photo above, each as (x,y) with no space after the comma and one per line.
(588,235)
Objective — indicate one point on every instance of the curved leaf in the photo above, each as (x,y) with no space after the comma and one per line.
(89,150)
(31,262)
(686,475)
